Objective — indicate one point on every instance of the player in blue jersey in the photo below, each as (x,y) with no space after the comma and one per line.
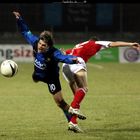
(46,69)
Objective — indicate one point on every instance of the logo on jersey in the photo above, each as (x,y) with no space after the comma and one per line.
(52,87)
(39,65)
(48,59)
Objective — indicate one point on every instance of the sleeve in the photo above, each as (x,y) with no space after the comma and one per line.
(29,37)
(68,51)
(64,58)
(104,44)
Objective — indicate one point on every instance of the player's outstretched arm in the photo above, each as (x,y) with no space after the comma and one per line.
(69,59)
(125,44)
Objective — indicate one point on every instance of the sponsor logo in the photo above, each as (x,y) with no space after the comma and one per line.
(39,64)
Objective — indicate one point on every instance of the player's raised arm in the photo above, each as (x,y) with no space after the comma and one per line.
(24,29)
(21,23)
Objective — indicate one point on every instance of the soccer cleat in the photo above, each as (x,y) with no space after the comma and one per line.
(74,127)
(77,113)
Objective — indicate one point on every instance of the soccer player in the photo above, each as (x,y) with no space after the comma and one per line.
(46,59)
(76,74)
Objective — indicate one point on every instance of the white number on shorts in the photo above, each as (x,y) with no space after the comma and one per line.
(52,87)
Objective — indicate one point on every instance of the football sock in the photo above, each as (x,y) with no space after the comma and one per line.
(64,106)
(67,115)
(78,97)
(73,119)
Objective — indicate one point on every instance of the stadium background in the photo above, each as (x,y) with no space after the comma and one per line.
(72,23)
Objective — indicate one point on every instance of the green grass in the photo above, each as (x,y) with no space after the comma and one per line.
(112,106)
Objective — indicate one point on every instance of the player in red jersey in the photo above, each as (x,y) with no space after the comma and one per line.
(76,74)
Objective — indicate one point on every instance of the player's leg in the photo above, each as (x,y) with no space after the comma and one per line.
(80,77)
(69,77)
(54,87)
(73,126)
(81,80)
(59,100)
(68,74)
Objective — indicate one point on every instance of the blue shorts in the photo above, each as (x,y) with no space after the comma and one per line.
(53,82)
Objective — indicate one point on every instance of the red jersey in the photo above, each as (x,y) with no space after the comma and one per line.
(85,50)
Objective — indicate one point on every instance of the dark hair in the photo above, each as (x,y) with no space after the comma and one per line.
(95,38)
(47,37)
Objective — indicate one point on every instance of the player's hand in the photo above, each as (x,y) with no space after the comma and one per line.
(63,51)
(136,46)
(76,61)
(17,14)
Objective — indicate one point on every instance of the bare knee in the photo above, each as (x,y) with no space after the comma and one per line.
(85,89)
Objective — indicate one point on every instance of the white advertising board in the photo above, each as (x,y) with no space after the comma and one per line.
(17,52)
(129,55)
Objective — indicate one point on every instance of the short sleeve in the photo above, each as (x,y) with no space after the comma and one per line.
(104,44)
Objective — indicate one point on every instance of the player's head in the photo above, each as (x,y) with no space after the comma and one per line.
(95,38)
(47,37)
(45,41)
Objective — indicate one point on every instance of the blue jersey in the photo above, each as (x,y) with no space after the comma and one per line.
(46,63)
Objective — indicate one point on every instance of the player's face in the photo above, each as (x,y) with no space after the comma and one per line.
(42,46)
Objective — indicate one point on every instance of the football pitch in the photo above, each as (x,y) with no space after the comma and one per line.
(112,105)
